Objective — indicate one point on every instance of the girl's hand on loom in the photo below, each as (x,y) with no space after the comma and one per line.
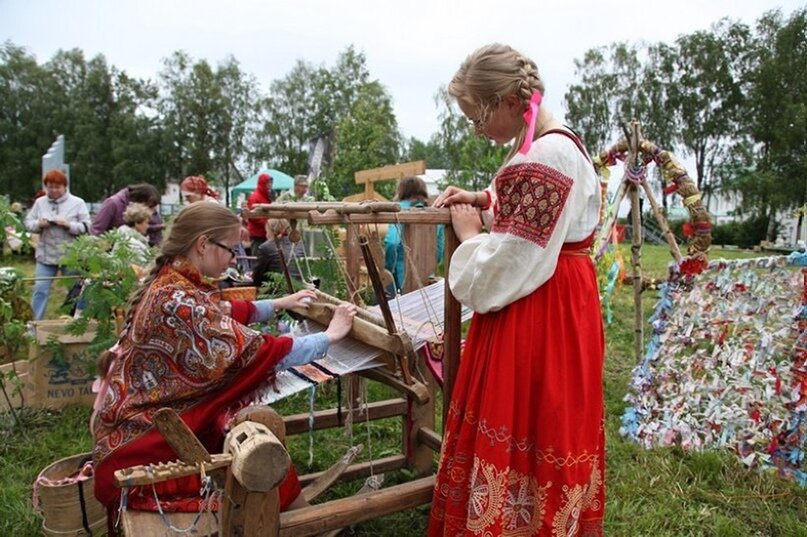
(341,323)
(452,195)
(300,299)
(466,221)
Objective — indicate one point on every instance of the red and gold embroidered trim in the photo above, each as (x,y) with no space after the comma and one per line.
(530,199)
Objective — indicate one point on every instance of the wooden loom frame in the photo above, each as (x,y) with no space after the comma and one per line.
(416,405)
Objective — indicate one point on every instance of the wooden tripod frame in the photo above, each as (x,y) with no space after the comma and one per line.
(635,150)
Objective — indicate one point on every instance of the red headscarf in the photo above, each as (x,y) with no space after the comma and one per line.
(198,185)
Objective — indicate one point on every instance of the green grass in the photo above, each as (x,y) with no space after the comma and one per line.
(660,492)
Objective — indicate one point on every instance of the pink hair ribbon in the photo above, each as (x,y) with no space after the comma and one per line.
(530,116)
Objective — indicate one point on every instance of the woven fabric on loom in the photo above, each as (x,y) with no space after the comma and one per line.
(419,314)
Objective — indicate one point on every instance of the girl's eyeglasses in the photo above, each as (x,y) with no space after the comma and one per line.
(228,248)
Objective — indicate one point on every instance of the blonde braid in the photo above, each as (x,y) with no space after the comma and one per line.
(105,358)
(527,83)
(138,295)
(490,74)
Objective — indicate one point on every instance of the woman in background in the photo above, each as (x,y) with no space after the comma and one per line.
(59,217)
(110,215)
(411,193)
(136,219)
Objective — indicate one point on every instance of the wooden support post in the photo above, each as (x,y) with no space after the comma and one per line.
(420,261)
(340,513)
(362,469)
(260,462)
(665,227)
(430,438)
(328,418)
(636,246)
(352,257)
(180,437)
(396,171)
(636,264)
(421,415)
(453,327)
(383,305)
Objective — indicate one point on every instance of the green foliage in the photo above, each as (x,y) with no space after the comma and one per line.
(14,336)
(742,233)
(366,138)
(102,113)
(308,102)
(430,152)
(109,279)
(329,268)
(473,160)
(12,228)
(25,123)
(777,160)
(14,313)
(730,97)
(209,118)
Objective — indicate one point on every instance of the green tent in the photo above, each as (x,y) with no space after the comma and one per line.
(280,181)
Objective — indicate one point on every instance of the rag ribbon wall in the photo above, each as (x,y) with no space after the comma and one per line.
(726,366)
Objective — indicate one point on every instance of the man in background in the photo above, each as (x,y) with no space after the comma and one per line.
(299,193)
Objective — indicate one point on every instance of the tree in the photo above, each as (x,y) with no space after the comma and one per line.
(136,133)
(620,83)
(366,138)
(430,152)
(308,103)
(236,126)
(689,97)
(174,108)
(594,105)
(113,138)
(472,160)
(289,117)
(26,130)
(209,118)
(89,111)
(771,169)
(707,92)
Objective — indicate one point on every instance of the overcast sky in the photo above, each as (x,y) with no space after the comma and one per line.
(412,46)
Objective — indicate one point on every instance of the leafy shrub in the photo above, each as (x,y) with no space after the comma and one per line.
(743,233)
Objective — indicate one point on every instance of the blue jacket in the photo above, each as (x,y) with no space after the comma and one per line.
(394,259)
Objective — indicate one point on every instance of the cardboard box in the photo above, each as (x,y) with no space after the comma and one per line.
(56,382)
(23,371)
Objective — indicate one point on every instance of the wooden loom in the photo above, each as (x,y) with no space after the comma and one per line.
(254,510)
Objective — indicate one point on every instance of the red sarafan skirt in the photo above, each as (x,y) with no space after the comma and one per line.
(524,444)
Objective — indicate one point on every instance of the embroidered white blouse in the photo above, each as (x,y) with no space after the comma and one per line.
(540,200)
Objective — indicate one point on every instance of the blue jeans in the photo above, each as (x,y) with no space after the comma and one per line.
(39,301)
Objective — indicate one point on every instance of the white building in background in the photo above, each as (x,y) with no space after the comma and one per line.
(432,178)
(171,195)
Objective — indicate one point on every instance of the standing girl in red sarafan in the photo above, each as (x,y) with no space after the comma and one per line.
(524,446)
